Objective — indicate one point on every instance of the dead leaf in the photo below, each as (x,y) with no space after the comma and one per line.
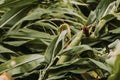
(5,76)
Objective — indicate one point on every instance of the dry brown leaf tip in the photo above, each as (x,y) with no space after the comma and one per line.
(5,76)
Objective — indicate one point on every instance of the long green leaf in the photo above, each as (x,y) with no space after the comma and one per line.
(14,14)
(5,50)
(16,3)
(20,61)
(51,50)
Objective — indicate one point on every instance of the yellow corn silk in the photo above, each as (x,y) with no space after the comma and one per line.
(5,76)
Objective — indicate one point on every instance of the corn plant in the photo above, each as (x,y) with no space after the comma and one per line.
(60,39)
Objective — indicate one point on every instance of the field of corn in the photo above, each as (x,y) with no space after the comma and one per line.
(59,39)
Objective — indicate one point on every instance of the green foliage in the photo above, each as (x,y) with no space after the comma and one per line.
(60,39)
